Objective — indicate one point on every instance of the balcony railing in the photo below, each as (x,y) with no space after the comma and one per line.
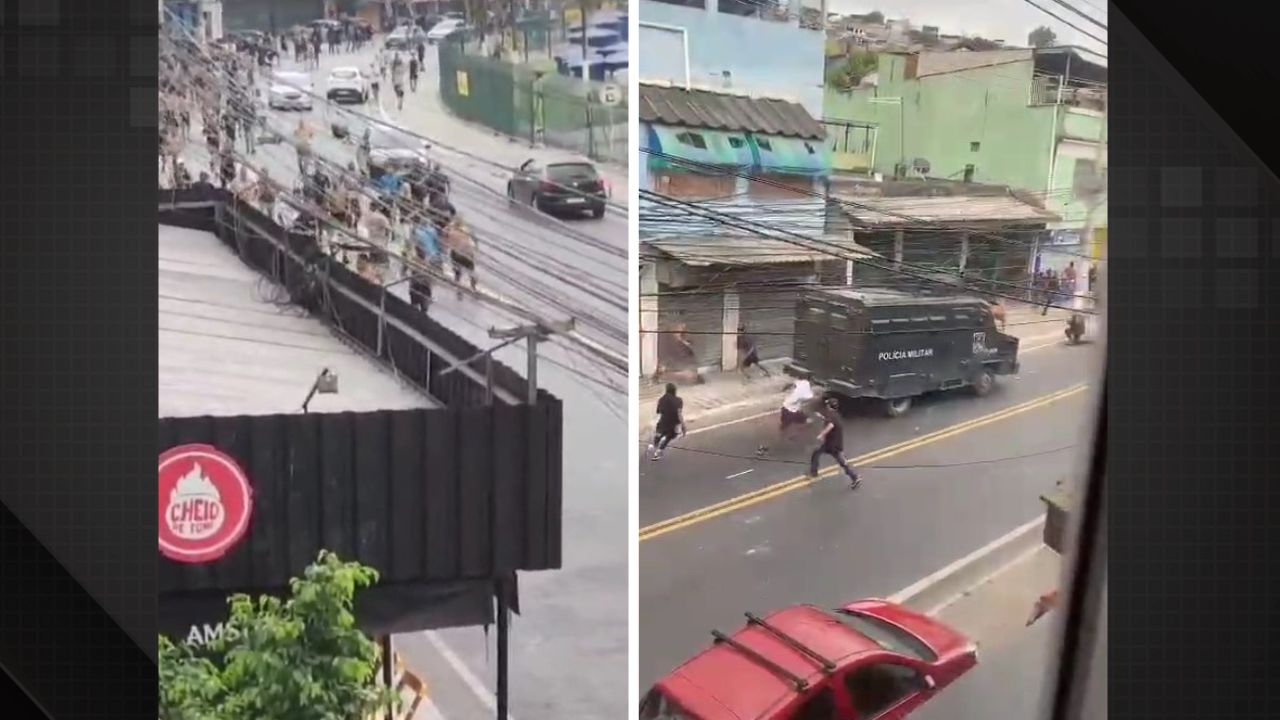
(1050,90)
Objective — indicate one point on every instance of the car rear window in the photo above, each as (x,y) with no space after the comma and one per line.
(562,172)
(888,636)
(344,74)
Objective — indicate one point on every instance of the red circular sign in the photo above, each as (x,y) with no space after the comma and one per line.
(205,503)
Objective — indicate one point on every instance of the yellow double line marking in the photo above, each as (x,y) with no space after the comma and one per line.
(764,494)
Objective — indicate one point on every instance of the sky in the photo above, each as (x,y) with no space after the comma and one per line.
(1008,20)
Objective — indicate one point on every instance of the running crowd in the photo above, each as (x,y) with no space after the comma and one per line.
(373,211)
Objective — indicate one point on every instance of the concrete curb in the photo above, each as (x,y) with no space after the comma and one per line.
(751,407)
(933,593)
(524,142)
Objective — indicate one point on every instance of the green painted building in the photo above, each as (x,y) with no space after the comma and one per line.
(1030,119)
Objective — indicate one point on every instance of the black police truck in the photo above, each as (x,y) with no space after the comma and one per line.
(896,346)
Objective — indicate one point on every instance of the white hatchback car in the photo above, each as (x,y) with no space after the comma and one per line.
(347,84)
(290,91)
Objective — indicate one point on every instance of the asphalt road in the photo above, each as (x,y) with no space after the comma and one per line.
(555,267)
(825,544)
(1010,681)
(569,648)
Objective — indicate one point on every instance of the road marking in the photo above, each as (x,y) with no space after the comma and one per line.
(772,491)
(1022,557)
(768,413)
(740,474)
(472,682)
(914,589)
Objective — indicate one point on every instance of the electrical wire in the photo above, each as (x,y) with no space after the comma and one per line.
(920,223)
(394,128)
(411,265)
(836,251)
(615,334)
(496,199)
(873,466)
(1068,23)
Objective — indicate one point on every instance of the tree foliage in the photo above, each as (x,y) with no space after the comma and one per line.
(874,17)
(1042,37)
(849,74)
(297,659)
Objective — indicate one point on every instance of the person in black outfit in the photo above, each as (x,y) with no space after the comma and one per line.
(227,170)
(413,74)
(831,442)
(670,420)
(748,353)
(422,52)
(203,184)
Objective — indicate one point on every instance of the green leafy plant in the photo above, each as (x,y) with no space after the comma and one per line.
(849,73)
(1042,37)
(297,659)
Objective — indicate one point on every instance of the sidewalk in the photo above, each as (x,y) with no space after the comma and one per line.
(1016,663)
(425,109)
(726,393)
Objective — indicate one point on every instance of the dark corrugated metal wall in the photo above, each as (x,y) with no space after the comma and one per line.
(770,320)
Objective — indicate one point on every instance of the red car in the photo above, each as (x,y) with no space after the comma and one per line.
(870,660)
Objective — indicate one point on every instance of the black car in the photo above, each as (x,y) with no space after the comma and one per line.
(896,345)
(559,187)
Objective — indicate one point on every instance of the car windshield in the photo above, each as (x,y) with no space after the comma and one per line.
(564,172)
(888,636)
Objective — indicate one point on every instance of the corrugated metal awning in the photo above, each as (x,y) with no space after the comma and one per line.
(719,111)
(701,251)
(944,210)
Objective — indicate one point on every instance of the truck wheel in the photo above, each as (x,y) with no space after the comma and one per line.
(897,407)
(983,384)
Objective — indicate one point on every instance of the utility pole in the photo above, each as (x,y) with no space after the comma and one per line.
(1097,191)
(531,334)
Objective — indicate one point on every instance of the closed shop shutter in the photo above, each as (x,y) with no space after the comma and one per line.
(780,187)
(770,319)
(694,186)
(702,313)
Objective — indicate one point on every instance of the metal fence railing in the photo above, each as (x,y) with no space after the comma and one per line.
(586,117)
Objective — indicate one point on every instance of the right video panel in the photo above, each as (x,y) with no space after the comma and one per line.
(871,311)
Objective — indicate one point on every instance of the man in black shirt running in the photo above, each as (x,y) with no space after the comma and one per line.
(748,353)
(670,419)
(831,442)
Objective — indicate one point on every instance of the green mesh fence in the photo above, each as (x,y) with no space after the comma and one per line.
(540,107)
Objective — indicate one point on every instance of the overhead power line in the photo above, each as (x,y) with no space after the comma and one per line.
(1068,23)
(836,251)
(842,202)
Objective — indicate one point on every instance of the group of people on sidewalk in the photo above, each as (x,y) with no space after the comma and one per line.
(309,42)
(1050,287)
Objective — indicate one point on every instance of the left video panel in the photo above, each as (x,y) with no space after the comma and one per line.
(393,340)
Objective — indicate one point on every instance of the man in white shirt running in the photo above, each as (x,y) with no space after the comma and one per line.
(794,412)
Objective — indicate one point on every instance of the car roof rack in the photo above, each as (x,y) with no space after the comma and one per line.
(800,683)
(828,666)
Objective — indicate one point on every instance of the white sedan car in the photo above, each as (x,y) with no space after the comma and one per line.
(290,91)
(347,84)
(444,29)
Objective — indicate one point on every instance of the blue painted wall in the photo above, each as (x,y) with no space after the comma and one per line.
(764,58)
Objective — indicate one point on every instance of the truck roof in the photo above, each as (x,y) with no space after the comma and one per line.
(885,297)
